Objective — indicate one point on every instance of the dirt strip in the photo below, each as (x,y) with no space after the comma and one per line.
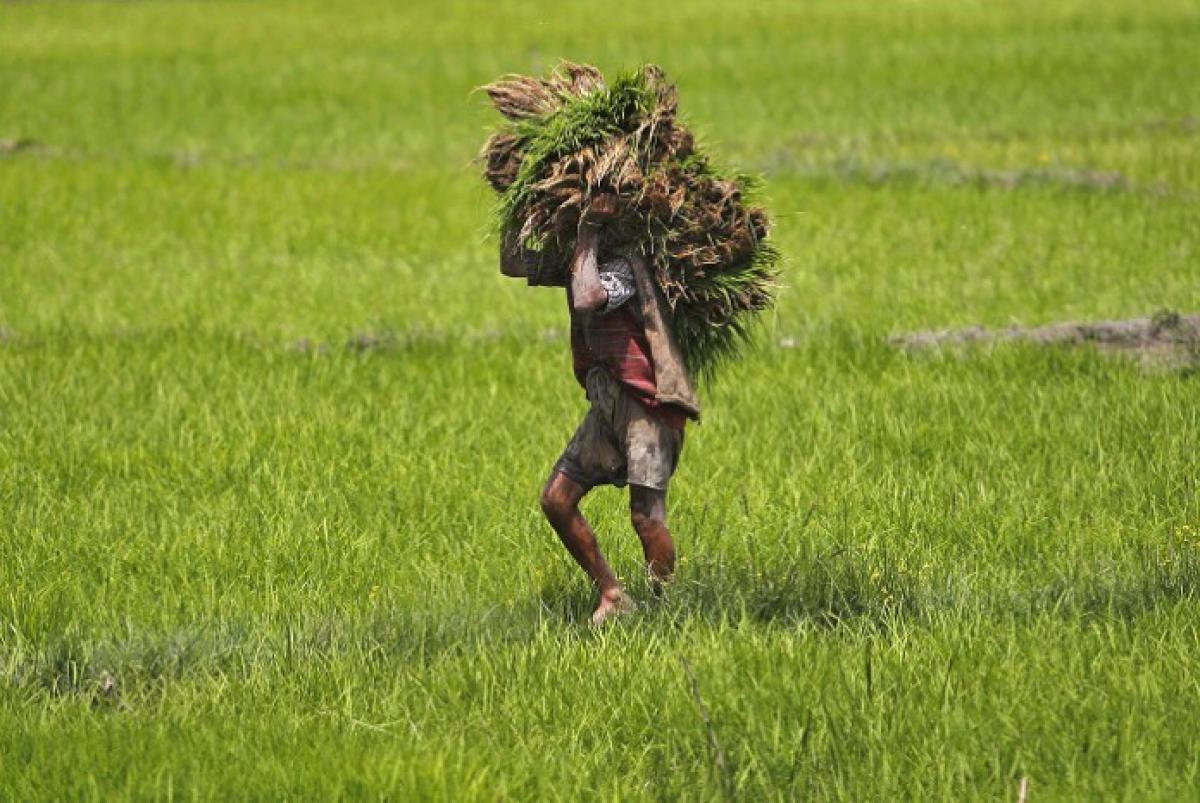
(1166,337)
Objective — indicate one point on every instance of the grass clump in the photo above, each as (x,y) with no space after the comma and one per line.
(572,136)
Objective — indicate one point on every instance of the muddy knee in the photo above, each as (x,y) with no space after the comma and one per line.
(557,501)
(552,502)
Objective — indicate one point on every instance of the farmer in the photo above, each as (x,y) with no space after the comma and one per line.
(626,357)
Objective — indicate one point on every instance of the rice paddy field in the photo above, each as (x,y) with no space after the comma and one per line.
(273,427)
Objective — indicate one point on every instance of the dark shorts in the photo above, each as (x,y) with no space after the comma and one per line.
(619,442)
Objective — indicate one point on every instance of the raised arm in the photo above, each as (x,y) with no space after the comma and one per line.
(587,294)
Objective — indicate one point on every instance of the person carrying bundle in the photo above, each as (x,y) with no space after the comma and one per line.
(633,432)
(667,267)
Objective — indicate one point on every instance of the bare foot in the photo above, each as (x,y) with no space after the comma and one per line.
(612,604)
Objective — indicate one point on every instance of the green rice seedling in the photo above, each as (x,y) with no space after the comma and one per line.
(571,136)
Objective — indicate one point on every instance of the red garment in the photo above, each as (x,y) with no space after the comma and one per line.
(616,341)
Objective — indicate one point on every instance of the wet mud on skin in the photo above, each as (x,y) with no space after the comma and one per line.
(1164,340)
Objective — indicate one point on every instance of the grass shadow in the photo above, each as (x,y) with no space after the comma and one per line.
(838,590)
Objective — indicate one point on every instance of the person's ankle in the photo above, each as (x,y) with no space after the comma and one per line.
(612,593)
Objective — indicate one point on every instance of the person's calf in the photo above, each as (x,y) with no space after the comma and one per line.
(657,547)
(648,513)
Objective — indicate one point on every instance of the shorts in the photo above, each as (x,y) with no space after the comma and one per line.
(619,442)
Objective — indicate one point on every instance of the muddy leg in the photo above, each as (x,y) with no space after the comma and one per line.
(560,503)
(648,511)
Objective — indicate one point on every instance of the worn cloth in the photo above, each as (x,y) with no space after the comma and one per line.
(618,441)
(672,382)
(614,339)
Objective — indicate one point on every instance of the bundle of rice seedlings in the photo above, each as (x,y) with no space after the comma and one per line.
(571,136)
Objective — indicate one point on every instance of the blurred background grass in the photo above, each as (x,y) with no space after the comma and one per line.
(248,164)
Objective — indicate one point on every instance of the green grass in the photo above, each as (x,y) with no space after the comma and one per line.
(241,560)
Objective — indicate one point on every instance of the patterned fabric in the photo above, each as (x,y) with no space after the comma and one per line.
(616,277)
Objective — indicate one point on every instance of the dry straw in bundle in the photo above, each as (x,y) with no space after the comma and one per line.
(571,136)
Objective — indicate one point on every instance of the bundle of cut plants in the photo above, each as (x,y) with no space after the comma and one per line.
(571,136)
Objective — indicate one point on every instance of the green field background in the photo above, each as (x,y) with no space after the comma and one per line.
(272,426)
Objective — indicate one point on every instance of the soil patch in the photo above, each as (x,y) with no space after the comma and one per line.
(1166,339)
(18,144)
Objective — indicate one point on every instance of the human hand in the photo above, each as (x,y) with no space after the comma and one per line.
(602,209)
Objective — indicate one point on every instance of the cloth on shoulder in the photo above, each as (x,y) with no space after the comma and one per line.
(548,268)
(672,380)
